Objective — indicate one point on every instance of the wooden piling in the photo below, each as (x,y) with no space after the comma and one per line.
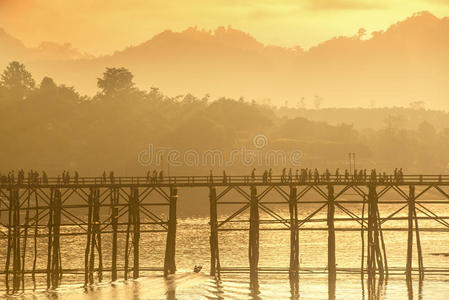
(213,238)
(375,260)
(331,262)
(253,249)
(89,238)
(362,233)
(55,263)
(114,221)
(374,217)
(25,236)
(56,271)
(97,235)
(136,232)
(294,232)
(36,232)
(17,256)
(50,237)
(10,238)
(419,249)
(411,209)
(170,250)
(128,233)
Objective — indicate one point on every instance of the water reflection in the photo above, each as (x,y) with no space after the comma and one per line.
(294,285)
(217,288)
(170,285)
(409,283)
(254,285)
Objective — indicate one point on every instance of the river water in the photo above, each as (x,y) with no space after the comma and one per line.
(193,249)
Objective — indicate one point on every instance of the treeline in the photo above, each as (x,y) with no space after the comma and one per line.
(51,126)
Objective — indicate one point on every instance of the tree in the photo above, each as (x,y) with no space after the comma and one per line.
(361,33)
(47,84)
(116,83)
(17,81)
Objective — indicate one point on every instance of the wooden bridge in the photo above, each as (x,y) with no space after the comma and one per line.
(36,212)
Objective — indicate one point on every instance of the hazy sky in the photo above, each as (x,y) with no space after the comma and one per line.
(102,26)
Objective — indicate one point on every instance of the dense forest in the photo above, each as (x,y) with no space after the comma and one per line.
(51,126)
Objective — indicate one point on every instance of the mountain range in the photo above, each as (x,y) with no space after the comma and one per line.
(405,63)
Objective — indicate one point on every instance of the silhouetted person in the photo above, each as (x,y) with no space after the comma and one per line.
(225,178)
(154,178)
(161,176)
(316,175)
(253,175)
(284,173)
(270,174)
(76,177)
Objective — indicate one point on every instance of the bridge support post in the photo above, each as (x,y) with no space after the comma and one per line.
(253,250)
(412,218)
(89,238)
(375,258)
(411,209)
(114,221)
(331,262)
(56,270)
(213,239)
(136,232)
(294,243)
(294,233)
(170,250)
(13,240)
(93,238)
(50,237)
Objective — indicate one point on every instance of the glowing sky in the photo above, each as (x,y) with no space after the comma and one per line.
(102,26)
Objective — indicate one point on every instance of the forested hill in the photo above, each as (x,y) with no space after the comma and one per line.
(49,126)
(407,62)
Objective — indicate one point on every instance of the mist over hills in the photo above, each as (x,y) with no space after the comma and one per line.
(407,62)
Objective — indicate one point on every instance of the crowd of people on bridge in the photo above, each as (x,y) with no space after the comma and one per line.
(300,176)
(307,175)
(34,177)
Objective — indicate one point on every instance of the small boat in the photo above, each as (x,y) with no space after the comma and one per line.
(197,269)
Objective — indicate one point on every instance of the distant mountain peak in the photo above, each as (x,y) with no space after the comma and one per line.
(227,36)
